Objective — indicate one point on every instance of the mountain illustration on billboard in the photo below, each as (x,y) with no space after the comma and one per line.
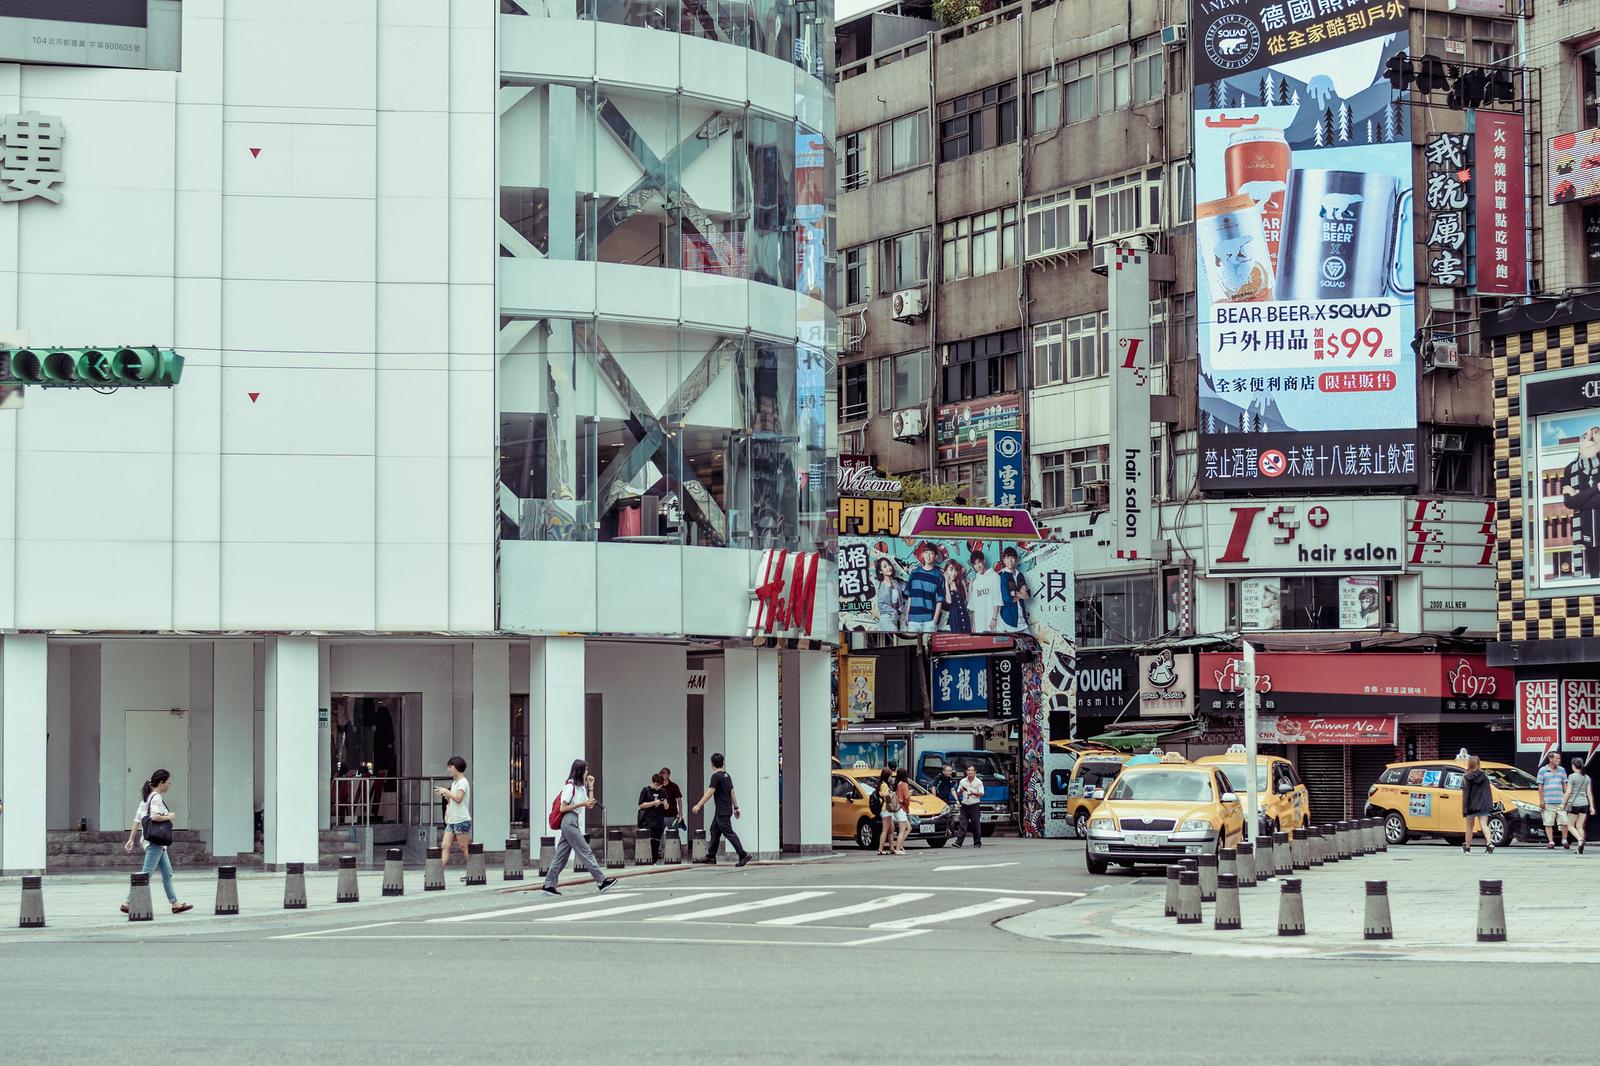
(1259,414)
(1323,118)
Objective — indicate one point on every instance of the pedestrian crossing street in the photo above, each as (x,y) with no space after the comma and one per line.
(819,916)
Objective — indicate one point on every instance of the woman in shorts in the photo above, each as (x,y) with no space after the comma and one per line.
(902,809)
(1579,800)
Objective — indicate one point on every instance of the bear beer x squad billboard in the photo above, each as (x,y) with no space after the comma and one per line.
(1303,231)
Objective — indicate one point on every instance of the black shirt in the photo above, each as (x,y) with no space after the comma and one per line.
(651,815)
(673,795)
(722,792)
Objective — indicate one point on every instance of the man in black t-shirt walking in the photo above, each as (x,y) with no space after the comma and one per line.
(727,807)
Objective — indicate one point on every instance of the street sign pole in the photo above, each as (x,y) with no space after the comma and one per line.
(1251,801)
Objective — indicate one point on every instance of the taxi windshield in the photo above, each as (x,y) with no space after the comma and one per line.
(1238,774)
(1163,786)
(1510,777)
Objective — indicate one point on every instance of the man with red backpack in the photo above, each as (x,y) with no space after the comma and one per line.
(574,797)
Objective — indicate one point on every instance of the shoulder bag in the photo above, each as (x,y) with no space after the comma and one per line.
(158,833)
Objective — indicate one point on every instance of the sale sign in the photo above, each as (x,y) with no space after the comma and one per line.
(1580,712)
(1538,715)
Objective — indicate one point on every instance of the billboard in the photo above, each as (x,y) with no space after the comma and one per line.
(1303,227)
(1131,509)
(92,33)
(859,697)
(1502,215)
(1573,162)
(961,430)
(1538,715)
(1561,456)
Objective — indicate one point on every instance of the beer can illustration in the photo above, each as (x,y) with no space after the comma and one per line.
(1233,244)
(1338,236)
(1256,164)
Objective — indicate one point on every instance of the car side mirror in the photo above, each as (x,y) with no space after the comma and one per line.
(1284,788)
(1229,797)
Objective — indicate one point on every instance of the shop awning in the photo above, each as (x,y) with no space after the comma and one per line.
(1144,735)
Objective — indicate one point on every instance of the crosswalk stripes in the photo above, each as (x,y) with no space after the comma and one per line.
(508,912)
(969,911)
(649,904)
(739,908)
(853,908)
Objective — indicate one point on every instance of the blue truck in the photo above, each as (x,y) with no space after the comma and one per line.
(926,752)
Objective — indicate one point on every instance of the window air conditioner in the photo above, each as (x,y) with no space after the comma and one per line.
(1095,496)
(907,305)
(908,423)
(1445,441)
(1174,35)
(1441,354)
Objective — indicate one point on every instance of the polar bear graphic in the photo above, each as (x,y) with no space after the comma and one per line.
(1231,44)
(1261,191)
(1337,205)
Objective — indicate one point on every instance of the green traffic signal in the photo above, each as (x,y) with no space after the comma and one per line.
(91,368)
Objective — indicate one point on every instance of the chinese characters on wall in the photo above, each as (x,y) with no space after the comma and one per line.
(31,157)
(1446,155)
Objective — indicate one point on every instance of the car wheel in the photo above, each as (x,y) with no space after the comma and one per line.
(937,842)
(867,834)
(1080,825)
(1498,830)
(1394,828)
(1096,866)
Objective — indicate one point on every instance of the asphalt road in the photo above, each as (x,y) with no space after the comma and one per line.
(844,960)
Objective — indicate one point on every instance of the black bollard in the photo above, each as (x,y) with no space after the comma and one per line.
(476,873)
(394,872)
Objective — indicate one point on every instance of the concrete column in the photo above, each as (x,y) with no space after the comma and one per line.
(290,771)
(807,751)
(490,769)
(58,721)
(750,743)
(24,670)
(555,717)
(233,748)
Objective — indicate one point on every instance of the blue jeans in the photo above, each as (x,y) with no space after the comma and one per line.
(155,858)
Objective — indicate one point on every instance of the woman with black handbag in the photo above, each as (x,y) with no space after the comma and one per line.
(154,821)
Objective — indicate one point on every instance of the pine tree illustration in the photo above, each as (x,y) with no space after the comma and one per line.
(1218,96)
(1295,98)
(1400,133)
(1327,128)
(1210,422)
(1316,138)
(1388,124)
(1269,89)
(1283,92)
(1370,139)
(1344,122)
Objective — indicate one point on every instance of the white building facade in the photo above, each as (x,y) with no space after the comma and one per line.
(506,381)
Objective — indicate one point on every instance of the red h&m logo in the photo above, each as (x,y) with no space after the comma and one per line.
(794,573)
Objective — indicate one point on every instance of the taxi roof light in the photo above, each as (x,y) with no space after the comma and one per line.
(1173,756)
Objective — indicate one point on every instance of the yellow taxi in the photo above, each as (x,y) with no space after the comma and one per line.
(1086,786)
(931,817)
(1283,800)
(1424,799)
(1160,812)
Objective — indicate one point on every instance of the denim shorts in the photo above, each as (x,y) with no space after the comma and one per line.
(458,828)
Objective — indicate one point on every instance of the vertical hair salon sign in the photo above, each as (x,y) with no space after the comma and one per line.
(1129,313)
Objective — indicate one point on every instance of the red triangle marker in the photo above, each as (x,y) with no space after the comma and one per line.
(255,153)
(253,396)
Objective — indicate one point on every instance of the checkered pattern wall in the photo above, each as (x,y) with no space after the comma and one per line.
(1521,617)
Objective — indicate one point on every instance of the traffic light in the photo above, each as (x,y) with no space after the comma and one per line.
(90,368)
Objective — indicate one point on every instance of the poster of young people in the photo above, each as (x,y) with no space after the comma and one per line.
(1303,233)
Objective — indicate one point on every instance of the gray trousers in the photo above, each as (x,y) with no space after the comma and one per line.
(570,843)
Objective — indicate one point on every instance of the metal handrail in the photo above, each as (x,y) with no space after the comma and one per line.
(369,800)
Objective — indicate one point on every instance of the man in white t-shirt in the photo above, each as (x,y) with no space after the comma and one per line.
(969,806)
(983,595)
(457,809)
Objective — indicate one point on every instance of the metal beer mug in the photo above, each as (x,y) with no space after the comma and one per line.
(1339,229)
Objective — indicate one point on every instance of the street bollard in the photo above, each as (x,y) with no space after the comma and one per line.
(1299,849)
(1376,925)
(1383,834)
(1208,877)
(1342,836)
(630,843)
(1369,839)
(1375,839)
(433,872)
(1189,898)
(1170,909)
(616,858)
(294,886)
(641,850)
(1314,853)
(1491,913)
(1358,837)
(1291,909)
(347,891)
(1330,844)
(511,862)
(476,874)
(394,872)
(547,854)
(1282,858)
(698,852)
(227,890)
(1247,864)
(1227,909)
(1264,860)
(139,898)
(673,852)
(1228,862)
(32,916)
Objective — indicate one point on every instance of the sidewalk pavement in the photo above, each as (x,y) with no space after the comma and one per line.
(1433,905)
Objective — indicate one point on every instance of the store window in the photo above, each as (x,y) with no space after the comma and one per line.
(905,260)
(902,380)
(1115,611)
(903,144)
(982,366)
(977,121)
(1313,602)
(852,392)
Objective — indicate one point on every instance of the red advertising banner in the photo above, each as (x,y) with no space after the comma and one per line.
(1501,212)
(1580,712)
(1299,729)
(1538,715)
